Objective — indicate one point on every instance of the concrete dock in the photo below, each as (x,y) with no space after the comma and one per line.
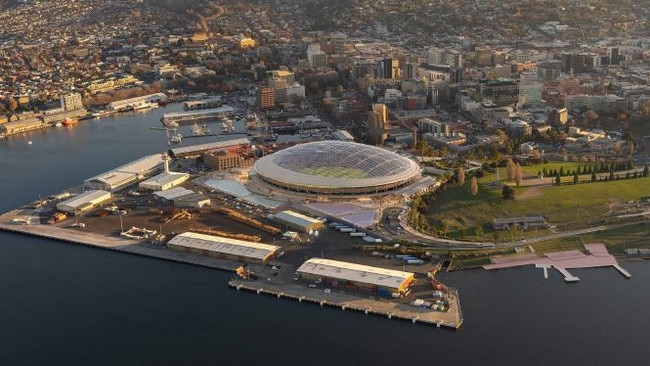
(333,298)
(392,310)
(597,256)
(568,277)
(115,243)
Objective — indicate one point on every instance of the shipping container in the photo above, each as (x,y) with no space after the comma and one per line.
(408,258)
(415,261)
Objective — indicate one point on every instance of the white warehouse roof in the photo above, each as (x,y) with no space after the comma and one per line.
(218,244)
(125,173)
(387,278)
(175,192)
(83,200)
(296,218)
(209,146)
(163,179)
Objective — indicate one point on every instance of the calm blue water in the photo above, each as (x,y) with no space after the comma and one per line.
(62,304)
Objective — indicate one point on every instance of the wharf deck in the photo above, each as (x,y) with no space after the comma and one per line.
(116,243)
(390,309)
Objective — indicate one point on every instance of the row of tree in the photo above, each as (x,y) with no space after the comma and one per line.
(588,169)
(594,178)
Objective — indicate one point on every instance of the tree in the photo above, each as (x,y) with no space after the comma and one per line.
(461,176)
(519,174)
(423,146)
(445,228)
(508,192)
(510,170)
(474,186)
(12,104)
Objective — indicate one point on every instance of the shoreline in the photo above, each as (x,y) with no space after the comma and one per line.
(339,299)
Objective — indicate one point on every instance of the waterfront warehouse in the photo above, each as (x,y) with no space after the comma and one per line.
(164,180)
(137,102)
(84,202)
(224,248)
(195,151)
(297,221)
(195,116)
(357,277)
(183,197)
(337,168)
(126,175)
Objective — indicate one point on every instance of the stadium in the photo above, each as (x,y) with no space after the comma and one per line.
(337,168)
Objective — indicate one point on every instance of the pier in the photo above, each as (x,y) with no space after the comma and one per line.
(346,301)
(117,243)
(568,277)
(597,257)
(334,298)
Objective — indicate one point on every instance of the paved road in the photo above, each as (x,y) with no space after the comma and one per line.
(451,244)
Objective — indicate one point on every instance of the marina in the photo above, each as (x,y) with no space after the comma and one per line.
(211,114)
(50,280)
(201,130)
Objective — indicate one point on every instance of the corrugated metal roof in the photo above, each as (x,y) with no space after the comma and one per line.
(296,218)
(355,272)
(165,178)
(175,192)
(209,146)
(85,198)
(218,244)
(139,166)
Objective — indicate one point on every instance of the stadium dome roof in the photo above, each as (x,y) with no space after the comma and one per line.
(336,167)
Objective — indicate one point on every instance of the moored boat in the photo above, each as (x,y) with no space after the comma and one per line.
(69,121)
(176,138)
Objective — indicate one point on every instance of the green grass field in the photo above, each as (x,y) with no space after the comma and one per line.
(616,240)
(335,172)
(567,205)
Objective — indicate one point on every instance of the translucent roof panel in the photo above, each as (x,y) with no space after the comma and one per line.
(338,159)
(336,164)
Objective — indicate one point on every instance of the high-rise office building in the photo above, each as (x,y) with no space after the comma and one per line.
(279,87)
(266,98)
(316,57)
(388,68)
(502,92)
(549,70)
(378,124)
(530,89)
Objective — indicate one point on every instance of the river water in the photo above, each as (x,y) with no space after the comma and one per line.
(62,304)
